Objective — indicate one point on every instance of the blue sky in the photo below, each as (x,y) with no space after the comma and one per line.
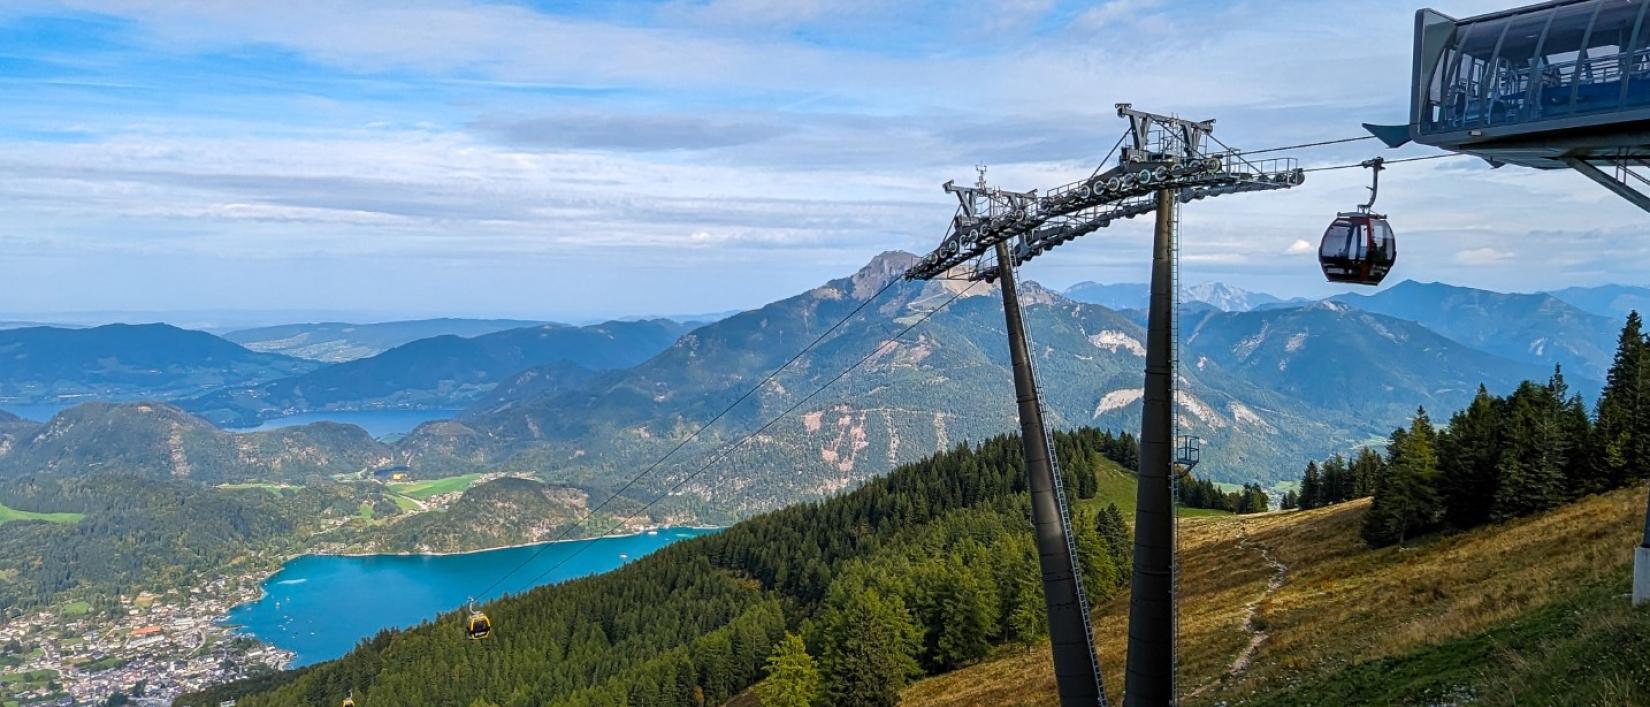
(575,160)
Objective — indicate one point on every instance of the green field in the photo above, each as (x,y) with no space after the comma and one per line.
(423,490)
(77,608)
(11,514)
(272,488)
(406,505)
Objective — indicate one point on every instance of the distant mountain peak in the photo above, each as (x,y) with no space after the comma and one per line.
(1136,295)
(883,269)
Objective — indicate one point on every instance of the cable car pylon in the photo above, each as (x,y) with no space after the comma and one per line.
(1163,163)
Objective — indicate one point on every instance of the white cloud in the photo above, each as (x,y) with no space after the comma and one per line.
(1299,247)
(1481,256)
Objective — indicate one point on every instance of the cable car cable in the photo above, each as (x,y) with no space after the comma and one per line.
(661,460)
(1407,159)
(770,423)
(1306,145)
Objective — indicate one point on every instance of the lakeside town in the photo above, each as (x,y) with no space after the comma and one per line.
(150,650)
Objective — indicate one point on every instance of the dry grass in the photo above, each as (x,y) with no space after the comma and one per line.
(1342,604)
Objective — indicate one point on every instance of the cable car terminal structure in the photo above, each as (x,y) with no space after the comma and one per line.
(1164,162)
(1556,85)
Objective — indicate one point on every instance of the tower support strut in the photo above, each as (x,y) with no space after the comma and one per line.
(1076,669)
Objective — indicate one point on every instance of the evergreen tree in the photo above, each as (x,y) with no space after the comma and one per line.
(1541,446)
(1620,447)
(1311,487)
(1337,481)
(1252,499)
(1026,615)
(793,678)
(1366,469)
(1406,497)
(1100,576)
(1291,500)
(967,617)
(868,647)
(1114,530)
(1469,456)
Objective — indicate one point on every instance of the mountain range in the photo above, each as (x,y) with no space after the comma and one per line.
(1218,295)
(439,372)
(1243,391)
(590,407)
(335,342)
(1613,301)
(1534,328)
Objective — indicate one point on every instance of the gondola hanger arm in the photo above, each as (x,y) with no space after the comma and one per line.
(1377,164)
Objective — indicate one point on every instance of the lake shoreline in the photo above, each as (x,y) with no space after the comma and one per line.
(318,609)
(452,553)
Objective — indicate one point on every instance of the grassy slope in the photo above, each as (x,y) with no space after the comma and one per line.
(1117,486)
(1452,615)
(11,514)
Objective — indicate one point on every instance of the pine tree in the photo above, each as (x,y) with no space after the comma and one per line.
(1114,530)
(1406,497)
(1619,449)
(1540,445)
(1311,487)
(967,615)
(1469,455)
(1367,467)
(868,647)
(1291,500)
(1025,616)
(1337,481)
(1252,499)
(793,677)
(1095,559)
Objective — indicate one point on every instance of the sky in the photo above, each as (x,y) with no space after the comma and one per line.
(585,159)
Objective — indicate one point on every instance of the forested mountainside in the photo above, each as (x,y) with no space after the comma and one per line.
(919,571)
(336,342)
(126,362)
(504,511)
(440,372)
(160,441)
(948,380)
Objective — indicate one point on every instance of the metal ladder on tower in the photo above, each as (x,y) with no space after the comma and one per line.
(1174,476)
(1065,511)
(1188,451)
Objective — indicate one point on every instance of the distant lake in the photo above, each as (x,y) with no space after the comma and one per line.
(39,412)
(320,606)
(377,423)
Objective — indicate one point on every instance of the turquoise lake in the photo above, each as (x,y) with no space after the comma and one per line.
(320,606)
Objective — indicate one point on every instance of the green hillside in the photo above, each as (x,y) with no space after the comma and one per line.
(163,442)
(112,533)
